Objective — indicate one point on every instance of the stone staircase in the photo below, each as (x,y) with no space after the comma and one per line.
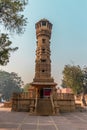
(44,107)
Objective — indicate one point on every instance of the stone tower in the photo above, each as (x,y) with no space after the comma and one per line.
(43,82)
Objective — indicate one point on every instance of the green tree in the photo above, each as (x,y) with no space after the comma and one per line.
(9,83)
(26,87)
(5,49)
(10,15)
(63,84)
(73,78)
(85,80)
(11,19)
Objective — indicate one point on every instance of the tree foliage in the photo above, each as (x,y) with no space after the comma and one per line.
(9,83)
(11,19)
(10,15)
(26,87)
(73,78)
(85,80)
(5,49)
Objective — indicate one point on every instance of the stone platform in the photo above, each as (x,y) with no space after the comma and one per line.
(22,121)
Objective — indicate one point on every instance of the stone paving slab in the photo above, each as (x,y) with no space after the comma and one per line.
(23,121)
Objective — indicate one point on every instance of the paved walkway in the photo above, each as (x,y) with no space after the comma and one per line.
(23,121)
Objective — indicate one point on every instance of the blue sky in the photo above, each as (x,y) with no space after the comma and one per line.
(68,41)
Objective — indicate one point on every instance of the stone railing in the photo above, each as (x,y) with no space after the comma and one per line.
(23,102)
(36,104)
(7,104)
(63,102)
(52,104)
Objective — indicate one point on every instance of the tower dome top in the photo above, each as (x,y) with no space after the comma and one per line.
(44,21)
(43,28)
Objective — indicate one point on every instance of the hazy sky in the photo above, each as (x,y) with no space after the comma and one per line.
(68,41)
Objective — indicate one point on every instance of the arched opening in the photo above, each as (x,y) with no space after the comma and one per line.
(41,93)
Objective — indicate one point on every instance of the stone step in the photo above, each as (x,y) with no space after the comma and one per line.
(44,107)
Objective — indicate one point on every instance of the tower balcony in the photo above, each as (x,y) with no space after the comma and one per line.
(43,32)
(43,80)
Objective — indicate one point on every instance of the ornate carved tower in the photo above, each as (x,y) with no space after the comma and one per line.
(43,81)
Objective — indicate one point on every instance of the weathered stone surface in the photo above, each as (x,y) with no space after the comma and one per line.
(22,121)
(43,77)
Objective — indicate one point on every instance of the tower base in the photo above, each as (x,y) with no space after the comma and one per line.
(43,89)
